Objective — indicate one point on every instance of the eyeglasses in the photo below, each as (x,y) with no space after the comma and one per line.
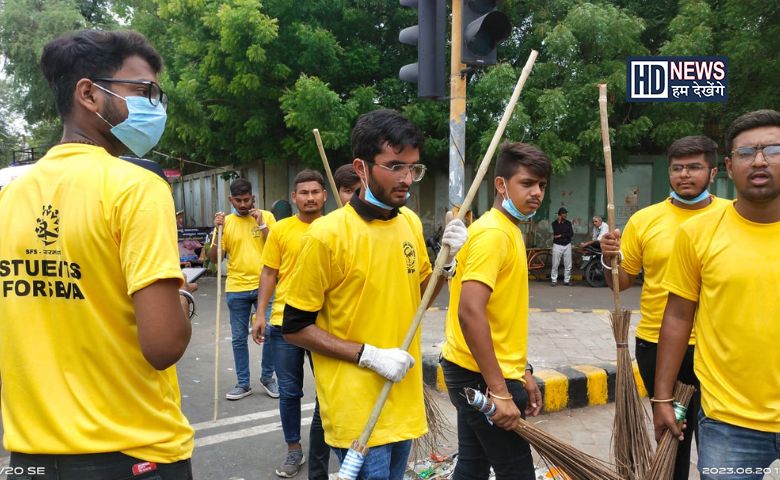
(693,169)
(748,154)
(401,169)
(153,91)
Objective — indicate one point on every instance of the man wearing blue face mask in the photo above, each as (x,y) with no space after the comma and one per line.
(486,342)
(646,244)
(353,294)
(92,320)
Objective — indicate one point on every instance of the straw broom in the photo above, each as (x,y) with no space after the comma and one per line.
(353,461)
(437,422)
(574,464)
(662,467)
(631,442)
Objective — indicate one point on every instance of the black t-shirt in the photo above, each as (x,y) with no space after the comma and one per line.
(565,230)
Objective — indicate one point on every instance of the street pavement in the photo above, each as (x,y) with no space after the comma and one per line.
(246,441)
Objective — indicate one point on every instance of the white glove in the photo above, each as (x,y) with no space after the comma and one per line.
(455,235)
(391,363)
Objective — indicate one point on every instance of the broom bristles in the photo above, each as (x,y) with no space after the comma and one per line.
(438,426)
(576,464)
(662,467)
(630,440)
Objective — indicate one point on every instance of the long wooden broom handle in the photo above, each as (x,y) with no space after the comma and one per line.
(216,326)
(325,163)
(444,253)
(610,188)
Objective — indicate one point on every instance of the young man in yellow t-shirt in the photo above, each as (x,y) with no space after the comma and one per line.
(243,238)
(486,342)
(354,292)
(646,244)
(724,278)
(91,317)
(279,257)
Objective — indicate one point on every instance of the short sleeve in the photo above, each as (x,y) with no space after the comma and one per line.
(144,220)
(631,248)
(269,218)
(272,251)
(311,277)
(683,272)
(485,257)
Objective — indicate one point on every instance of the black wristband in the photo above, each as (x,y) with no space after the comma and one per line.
(529,368)
(360,353)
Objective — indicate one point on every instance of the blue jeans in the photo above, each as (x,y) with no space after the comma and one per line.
(288,360)
(383,462)
(729,452)
(240,305)
(482,445)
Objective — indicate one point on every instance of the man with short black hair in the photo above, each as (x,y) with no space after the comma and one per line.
(563,232)
(92,320)
(355,290)
(279,258)
(243,238)
(721,259)
(347,182)
(486,342)
(645,245)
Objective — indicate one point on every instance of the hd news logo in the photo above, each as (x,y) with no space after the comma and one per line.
(677,79)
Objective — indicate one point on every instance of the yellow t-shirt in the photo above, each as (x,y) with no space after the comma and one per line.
(280,253)
(647,243)
(243,243)
(495,256)
(364,280)
(87,231)
(731,267)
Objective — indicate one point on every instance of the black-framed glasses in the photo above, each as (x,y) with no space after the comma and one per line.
(153,91)
(692,169)
(400,169)
(748,154)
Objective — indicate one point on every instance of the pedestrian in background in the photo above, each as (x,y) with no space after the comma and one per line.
(563,232)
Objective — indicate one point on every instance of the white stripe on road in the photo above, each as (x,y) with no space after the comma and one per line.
(247,432)
(244,418)
(233,435)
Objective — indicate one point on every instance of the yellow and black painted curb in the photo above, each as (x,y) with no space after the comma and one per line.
(562,388)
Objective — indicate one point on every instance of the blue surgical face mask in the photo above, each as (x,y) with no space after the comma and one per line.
(236,212)
(512,210)
(144,125)
(370,198)
(703,195)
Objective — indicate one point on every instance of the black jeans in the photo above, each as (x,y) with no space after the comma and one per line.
(96,466)
(646,353)
(480,444)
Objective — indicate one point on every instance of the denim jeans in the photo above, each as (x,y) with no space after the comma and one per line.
(729,452)
(646,353)
(240,305)
(480,444)
(97,466)
(288,360)
(383,462)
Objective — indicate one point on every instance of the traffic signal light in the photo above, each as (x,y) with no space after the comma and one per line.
(482,29)
(429,36)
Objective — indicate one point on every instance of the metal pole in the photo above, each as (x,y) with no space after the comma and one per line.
(457,111)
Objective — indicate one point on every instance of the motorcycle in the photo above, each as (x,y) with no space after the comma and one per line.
(593,271)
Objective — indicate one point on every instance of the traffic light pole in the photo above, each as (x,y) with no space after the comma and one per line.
(457,110)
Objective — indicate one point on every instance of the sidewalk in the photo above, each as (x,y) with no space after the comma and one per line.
(573,354)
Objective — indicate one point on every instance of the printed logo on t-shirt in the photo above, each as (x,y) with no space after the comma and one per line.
(411,257)
(256,232)
(48,225)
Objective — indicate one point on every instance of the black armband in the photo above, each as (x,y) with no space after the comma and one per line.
(295,320)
